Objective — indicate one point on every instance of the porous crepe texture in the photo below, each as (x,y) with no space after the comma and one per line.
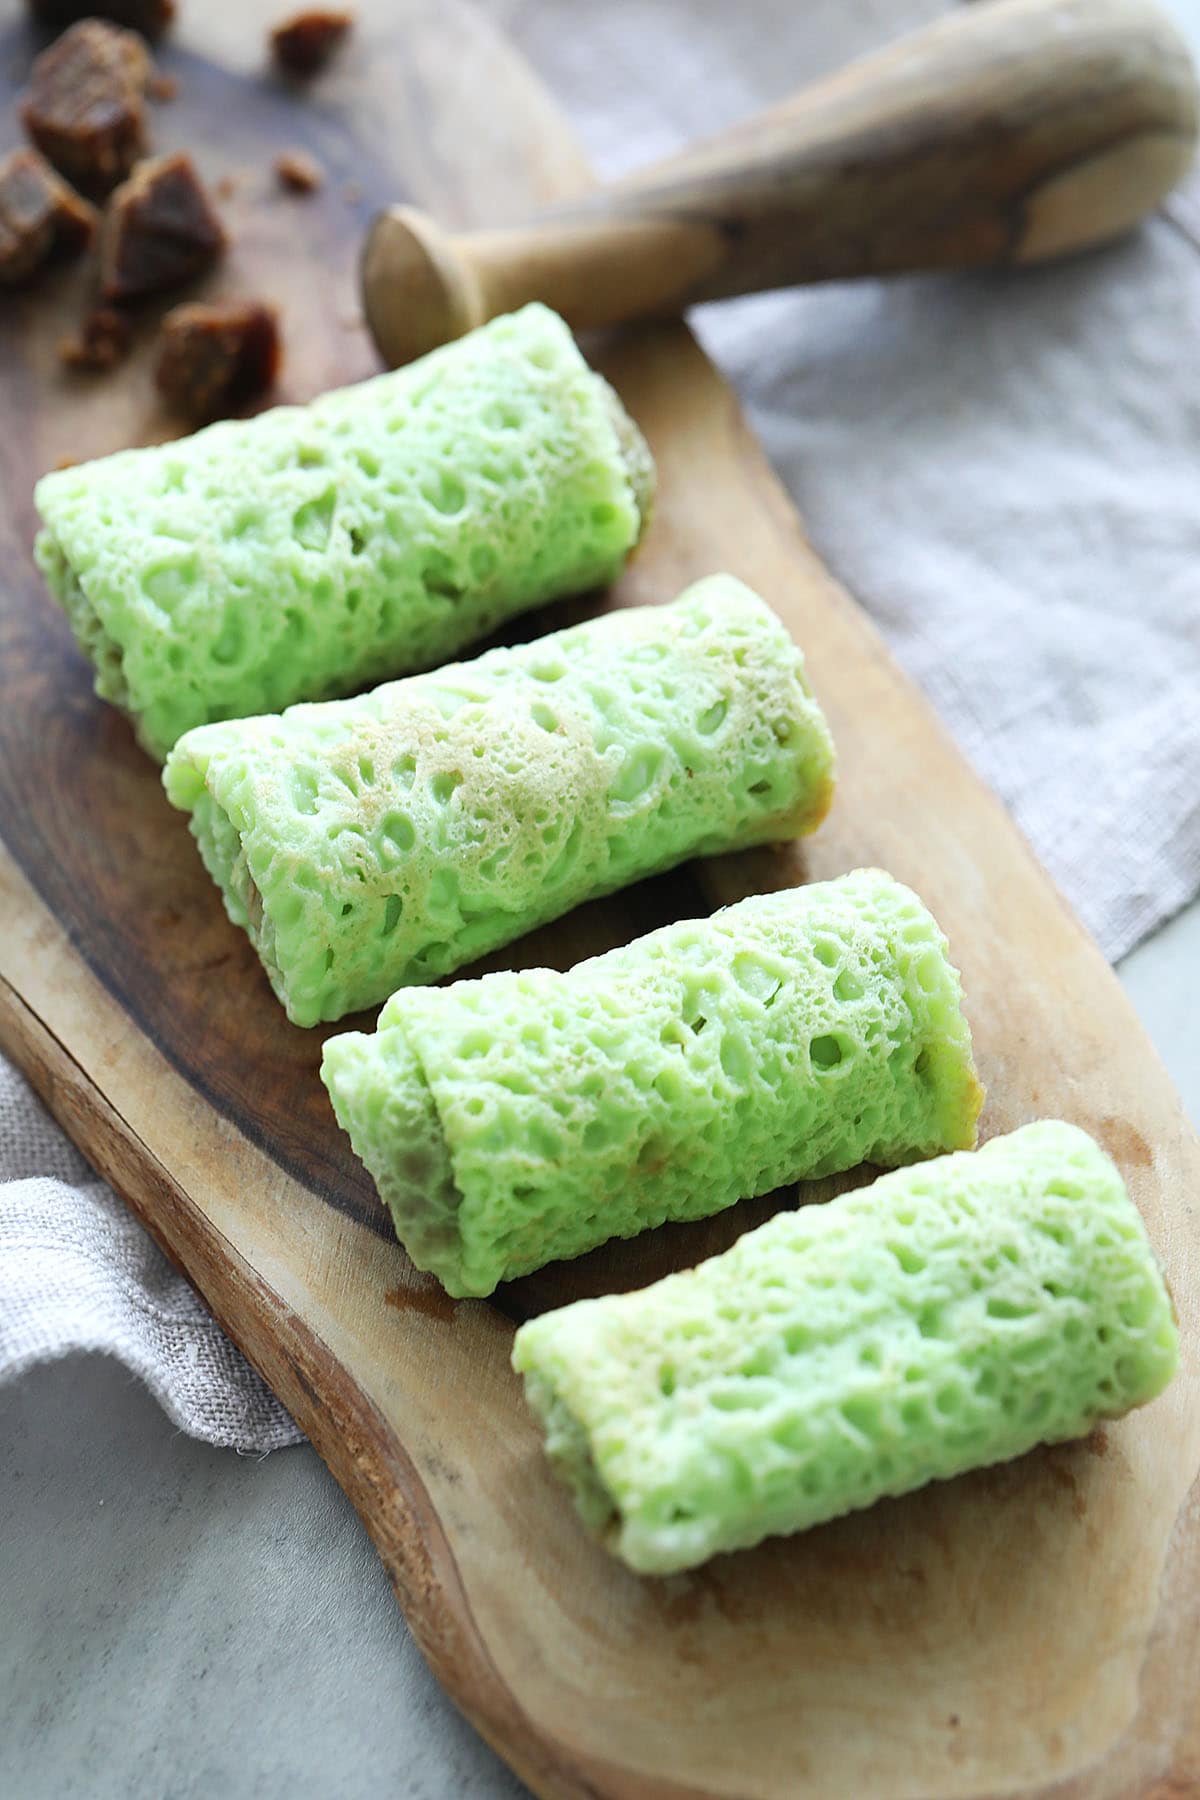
(528,1116)
(371,843)
(315,550)
(950,1316)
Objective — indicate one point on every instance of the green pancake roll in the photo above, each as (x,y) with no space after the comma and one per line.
(950,1316)
(528,1116)
(315,550)
(373,843)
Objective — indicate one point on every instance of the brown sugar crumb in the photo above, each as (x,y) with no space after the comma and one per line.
(304,43)
(162,88)
(299,172)
(158,230)
(226,188)
(213,360)
(150,17)
(40,217)
(85,107)
(102,341)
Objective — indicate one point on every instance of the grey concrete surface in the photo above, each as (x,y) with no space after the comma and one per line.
(178,1622)
(181,1623)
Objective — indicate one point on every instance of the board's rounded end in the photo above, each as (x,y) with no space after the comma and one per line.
(417,292)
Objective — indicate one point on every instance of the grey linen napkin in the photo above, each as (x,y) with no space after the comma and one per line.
(1002,469)
(77,1272)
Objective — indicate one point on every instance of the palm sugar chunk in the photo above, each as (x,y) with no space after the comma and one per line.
(304,43)
(298,172)
(150,17)
(213,360)
(40,217)
(158,230)
(86,104)
(102,341)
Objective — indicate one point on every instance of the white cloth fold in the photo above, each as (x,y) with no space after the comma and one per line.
(77,1272)
(1002,469)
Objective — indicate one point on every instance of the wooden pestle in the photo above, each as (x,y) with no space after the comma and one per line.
(1008,132)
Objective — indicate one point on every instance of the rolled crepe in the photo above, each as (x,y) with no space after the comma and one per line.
(314,550)
(950,1316)
(524,1117)
(368,844)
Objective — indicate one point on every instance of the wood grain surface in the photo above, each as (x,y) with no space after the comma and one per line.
(1030,1630)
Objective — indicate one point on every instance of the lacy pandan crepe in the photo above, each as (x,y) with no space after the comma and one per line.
(530,1116)
(950,1316)
(315,550)
(372,843)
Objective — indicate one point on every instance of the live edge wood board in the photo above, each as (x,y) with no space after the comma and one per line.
(1032,1630)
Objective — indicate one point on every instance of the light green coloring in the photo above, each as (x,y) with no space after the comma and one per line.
(952,1315)
(524,1117)
(372,843)
(315,550)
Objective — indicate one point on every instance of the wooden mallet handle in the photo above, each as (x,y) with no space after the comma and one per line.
(1008,132)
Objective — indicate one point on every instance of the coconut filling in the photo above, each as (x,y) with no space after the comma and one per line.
(383,1101)
(224,856)
(102,651)
(569,1450)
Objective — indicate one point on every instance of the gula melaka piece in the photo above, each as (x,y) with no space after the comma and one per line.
(315,550)
(372,843)
(529,1116)
(953,1315)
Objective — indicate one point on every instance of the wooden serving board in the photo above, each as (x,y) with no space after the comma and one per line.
(1030,1630)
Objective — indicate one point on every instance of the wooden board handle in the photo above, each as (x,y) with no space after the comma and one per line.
(1010,132)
